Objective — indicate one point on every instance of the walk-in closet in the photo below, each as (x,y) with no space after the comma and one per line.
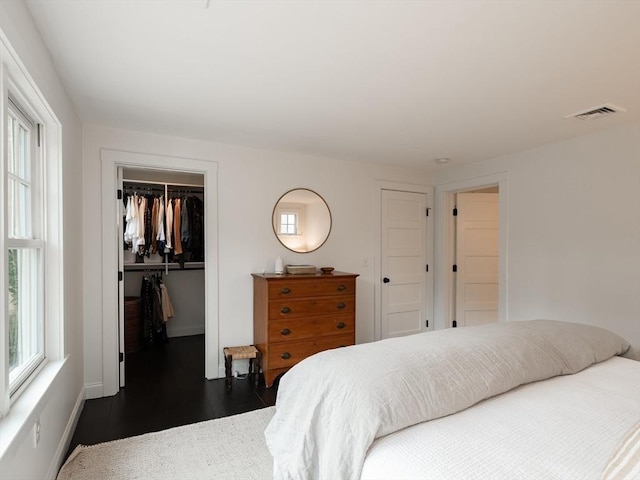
(162,295)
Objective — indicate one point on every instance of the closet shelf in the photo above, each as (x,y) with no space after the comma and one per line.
(163,266)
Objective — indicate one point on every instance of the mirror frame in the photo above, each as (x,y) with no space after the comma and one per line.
(273,223)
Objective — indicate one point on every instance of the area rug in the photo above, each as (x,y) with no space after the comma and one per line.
(230,448)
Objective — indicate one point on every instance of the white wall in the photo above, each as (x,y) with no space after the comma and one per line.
(250,182)
(56,409)
(573,230)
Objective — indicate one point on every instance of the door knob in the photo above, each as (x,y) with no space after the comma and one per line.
(385,280)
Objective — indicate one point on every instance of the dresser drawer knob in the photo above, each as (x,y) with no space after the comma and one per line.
(285,331)
(341,325)
(285,291)
(341,306)
(285,310)
(341,288)
(285,356)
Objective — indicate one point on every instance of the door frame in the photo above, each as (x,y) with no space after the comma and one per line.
(445,248)
(111,160)
(381,185)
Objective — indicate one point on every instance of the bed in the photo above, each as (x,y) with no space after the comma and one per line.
(532,399)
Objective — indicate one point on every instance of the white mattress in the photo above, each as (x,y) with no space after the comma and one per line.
(566,427)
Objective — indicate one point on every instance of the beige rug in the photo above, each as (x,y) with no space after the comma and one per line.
(226,448)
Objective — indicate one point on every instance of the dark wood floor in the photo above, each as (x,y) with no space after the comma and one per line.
(166,388)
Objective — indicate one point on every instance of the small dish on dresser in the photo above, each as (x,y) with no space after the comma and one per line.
(327,270)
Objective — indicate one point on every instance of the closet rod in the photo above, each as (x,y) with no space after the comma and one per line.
(142,189)
(184,185)
(173,267)
(151,182)
(134,186)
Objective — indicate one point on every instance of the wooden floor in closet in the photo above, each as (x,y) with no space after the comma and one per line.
(166,388)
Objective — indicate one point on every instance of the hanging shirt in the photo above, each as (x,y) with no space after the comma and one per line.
(167,307)
(184,223)
(154,226)
(148,224)
(138,241)
(176,228)
(132,219)
(197,229)
(160,229)
(169,226)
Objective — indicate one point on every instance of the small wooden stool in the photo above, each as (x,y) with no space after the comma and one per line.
(239,353)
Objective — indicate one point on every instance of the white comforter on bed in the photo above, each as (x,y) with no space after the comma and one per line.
(332,406)
(563,428)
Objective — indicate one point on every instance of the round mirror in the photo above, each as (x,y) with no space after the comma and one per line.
(301,220)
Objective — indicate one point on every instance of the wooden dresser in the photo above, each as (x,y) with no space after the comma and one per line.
(295,316)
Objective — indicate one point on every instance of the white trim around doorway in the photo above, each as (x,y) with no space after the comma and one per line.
(111,160)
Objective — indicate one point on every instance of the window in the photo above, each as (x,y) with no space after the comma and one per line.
(289,219)
(31,242)
(288,224)
(24,245)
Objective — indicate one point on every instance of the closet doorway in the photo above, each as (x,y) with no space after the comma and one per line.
(162,293)
(175,173)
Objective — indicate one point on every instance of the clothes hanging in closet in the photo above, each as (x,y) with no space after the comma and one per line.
(157,308)
(194,239)
(173,227)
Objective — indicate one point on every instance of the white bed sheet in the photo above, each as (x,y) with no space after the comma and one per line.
(562,428)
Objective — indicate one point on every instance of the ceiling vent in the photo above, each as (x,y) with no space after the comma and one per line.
(597,112)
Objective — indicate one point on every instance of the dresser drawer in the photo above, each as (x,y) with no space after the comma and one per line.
(312,306)
(288,354)
(292,329)
(300,288)
(336,325)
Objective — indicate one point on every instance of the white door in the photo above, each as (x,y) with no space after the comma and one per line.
(120,281)
(403,263)
(476,259)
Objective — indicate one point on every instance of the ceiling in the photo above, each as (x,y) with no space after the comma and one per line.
(388,81)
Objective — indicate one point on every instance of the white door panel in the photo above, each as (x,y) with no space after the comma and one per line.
(404,265)
(404,294)
(485,210)
(402,210)
(477,258)
(404,323)
(480,266)
(477,294)
(473,318)
(481,242)
(403,262)
(404,239)
(120,283)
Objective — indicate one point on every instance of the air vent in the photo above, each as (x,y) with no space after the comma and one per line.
(597,112)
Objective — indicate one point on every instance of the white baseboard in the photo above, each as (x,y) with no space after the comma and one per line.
(65,441)
(93,390)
